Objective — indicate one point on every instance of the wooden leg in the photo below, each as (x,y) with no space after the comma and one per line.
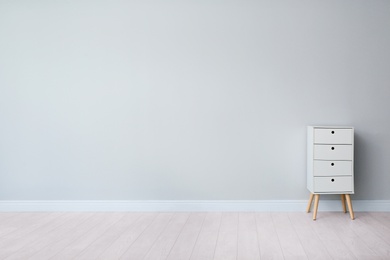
(310,202)
(316,200)
(349,203)
(343,202)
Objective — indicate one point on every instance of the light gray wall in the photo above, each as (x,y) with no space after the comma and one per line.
(188,99)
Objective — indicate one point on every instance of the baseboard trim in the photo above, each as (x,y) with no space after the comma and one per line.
(184,205)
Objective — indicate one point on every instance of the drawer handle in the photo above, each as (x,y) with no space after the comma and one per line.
(332,148)
(332,164)
(332,180)
(332,132)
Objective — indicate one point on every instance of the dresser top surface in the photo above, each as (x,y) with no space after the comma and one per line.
(330,127)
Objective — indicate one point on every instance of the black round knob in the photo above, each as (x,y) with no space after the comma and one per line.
(332,132)
(332,180)
(332,164)
(332,148)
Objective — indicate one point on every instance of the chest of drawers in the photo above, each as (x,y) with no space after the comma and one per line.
(330,155)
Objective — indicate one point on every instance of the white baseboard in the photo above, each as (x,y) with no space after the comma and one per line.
(185,205)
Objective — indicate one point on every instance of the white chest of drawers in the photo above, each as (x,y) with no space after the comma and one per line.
(330,155)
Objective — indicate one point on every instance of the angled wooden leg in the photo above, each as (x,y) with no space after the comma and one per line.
(343,202)
(349,203)
(310,202)
(316,200)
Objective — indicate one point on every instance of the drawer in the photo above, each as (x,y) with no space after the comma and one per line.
(333,184)
(333,152)
(332,168)
(333,136)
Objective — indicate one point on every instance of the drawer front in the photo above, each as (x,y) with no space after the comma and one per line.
(333,152)
(333,136)
(333,184)
(332,168)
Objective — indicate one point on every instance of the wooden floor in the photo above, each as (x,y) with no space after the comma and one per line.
(214,235)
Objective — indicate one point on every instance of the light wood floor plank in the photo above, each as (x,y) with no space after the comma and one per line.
(215,235)
(288,238)
(367,235)
(144,242)
(351,240)
(185,242)
(248,244)
(83,241)
(54,248)
(382,217)
(376,225)
(311,243)
(19,222)
(268,240)
(164,243)
(72,220)
(7,215)
(17,239)
(226,247)
(120,245)
(95,249)
(38,234)
(328,235)
(205,245)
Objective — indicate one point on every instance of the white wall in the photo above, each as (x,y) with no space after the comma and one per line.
(188,99)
